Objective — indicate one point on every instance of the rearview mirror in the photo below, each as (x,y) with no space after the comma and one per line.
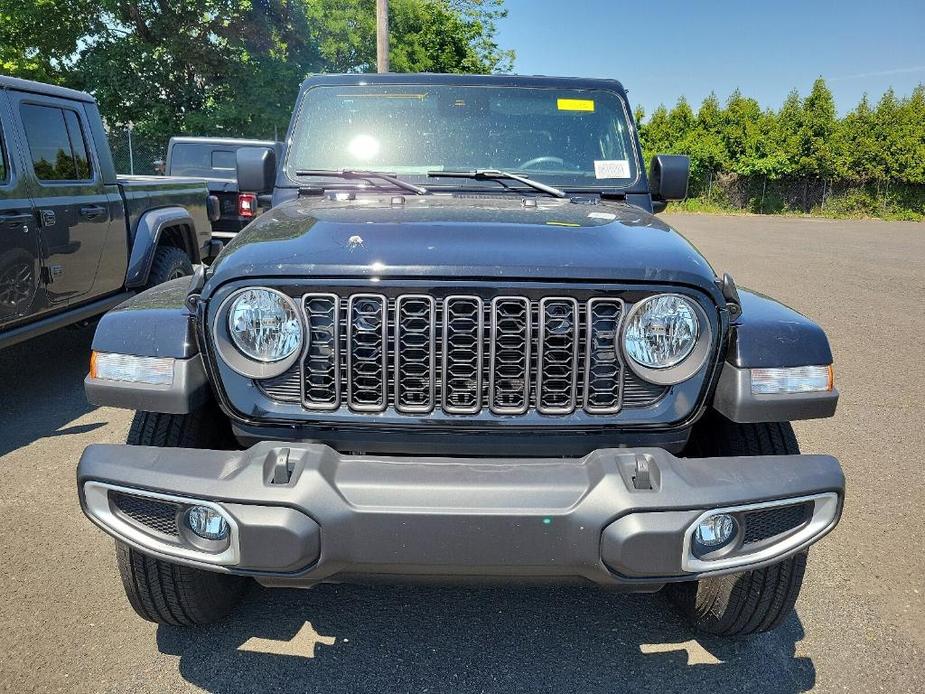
(668,177)
(256,167)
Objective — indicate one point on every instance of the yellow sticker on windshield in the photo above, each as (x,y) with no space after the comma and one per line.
(575,104)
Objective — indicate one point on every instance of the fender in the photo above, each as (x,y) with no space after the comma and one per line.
(768,334)
(148,234)
(155,323)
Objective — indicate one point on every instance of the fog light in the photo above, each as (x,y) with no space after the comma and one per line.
(208,523)
(716,530)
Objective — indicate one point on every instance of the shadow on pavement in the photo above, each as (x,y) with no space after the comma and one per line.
(41,387)
(429,639)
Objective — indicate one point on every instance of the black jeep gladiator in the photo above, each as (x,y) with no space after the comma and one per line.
(215,159)
(75,239)
(461,346)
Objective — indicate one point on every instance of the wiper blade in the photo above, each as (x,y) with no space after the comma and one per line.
(495,175)
(354,174)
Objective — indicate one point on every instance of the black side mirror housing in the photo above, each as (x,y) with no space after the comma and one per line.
(256,167)
(668,178)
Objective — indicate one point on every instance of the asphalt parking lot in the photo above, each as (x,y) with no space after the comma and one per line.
(859,624)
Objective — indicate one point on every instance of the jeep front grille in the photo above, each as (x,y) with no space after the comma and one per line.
(462,354)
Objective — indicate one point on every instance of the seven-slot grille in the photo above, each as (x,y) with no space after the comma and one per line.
(462,354)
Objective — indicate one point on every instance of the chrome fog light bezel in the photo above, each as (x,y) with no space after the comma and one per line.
(211,553)
(823,518)
(241,363)
(687,367)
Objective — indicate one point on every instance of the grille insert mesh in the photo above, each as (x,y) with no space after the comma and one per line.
(765,523)
(156,515)
(367,335)
(510,355)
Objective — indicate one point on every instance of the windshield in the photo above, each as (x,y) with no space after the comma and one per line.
(572,138)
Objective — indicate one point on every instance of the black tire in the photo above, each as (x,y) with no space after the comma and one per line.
(166,593)
(754,601)
(160,591)
(169,263)
(206,427)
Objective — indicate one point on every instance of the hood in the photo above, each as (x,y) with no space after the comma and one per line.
(462,236)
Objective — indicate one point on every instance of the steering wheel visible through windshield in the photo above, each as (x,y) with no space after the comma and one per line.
(570,138)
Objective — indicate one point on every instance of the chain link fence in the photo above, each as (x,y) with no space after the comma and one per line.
(808,195)
(135,155)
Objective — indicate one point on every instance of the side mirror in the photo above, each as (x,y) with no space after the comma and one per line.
(668,177)
(256,167)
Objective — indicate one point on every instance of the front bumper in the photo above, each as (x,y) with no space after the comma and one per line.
(303,513)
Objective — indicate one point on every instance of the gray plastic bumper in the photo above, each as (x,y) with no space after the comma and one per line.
(302,513)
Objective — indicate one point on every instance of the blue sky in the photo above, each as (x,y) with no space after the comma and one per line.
(661,50)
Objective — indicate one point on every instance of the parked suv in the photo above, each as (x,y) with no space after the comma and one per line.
(460,345)
(75,239)
(215,159)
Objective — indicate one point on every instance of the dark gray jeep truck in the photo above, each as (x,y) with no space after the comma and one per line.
(75,239)
(215,159)
(461,346)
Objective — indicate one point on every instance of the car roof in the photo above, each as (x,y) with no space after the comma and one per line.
(45,89)
(464,80)
(220,141)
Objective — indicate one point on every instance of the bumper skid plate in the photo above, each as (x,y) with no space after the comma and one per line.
(303,513)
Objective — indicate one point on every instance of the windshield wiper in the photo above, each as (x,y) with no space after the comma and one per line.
(354,174)
(494,175)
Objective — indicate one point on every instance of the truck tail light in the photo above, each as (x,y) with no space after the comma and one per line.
(247,205)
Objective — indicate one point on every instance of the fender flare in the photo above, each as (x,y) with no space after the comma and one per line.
(147,235)
(154,323)
(769,334)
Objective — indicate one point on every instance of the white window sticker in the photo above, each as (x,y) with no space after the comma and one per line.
(612,168)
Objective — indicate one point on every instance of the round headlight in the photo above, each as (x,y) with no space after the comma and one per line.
(662,331)
(264,325)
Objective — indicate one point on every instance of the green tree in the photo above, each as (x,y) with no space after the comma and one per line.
(857,156)
(232,66)
(741,128)
(39,38)
(817,131)
(704,141)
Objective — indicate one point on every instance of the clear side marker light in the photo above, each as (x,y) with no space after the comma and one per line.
(796,379)
(126,367)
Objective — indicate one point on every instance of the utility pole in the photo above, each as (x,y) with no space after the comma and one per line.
(382,35)
(131,154)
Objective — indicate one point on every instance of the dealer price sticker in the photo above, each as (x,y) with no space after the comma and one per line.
(611,168)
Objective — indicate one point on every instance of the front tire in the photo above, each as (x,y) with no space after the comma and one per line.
(169,263)
(160,591)
(754,601)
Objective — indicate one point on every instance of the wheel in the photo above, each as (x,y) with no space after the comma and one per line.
(17,283)
(160,591)
(754,601)
(169,264)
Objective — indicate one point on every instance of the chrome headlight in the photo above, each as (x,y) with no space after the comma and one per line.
(259,332)
(666,338)
(264,325)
